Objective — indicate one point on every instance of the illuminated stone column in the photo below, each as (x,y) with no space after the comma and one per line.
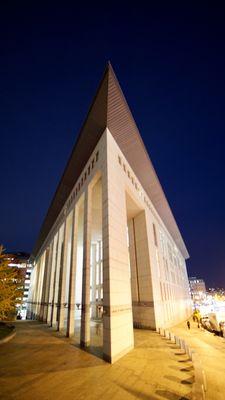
(72,279)
(62,276)
(48,276)
(33,291)
(54,321)
(141,279)
(40,284)
(100,275)
(117,306)
(93,283)
(135,290)
(44,285)
(52,280)
(35,316)
(85,307)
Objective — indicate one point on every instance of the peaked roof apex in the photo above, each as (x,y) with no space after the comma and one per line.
(110,109)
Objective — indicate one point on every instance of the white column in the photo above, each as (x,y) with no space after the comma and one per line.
(44,284)
(48,276)
(36,288)
(62,276)
(99,269)
(85,310)
(56,281)
(40,284)
(33,286)
(135,290)
(93,283)
(117,305)
(73,266)
(143,307)
(52,280)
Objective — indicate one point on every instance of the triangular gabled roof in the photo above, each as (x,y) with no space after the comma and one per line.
(110,109)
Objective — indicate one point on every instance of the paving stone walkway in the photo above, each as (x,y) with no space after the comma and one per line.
(38,364)
(211,350)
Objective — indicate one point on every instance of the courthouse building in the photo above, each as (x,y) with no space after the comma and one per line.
(109,251)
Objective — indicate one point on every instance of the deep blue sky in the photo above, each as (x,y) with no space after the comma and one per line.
(170,61)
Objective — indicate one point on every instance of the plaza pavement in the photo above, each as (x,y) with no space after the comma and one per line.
(38,364)
(211,350)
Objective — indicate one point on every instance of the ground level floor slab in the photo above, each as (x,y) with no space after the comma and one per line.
(38,364)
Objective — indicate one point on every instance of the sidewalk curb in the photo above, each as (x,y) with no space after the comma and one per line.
(200,385)
(9,337)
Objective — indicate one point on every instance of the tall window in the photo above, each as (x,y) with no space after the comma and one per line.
(155,235)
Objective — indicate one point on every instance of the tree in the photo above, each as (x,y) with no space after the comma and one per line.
(11,287)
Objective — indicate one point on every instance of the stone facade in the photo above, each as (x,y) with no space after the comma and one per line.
(109,258)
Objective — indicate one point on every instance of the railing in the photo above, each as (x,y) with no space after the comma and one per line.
(199,386)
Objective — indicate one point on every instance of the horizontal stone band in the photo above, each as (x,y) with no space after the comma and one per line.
(110,310)
(143,303)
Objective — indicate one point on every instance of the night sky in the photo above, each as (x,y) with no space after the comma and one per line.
(170,61)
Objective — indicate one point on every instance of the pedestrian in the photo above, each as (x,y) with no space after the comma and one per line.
(188,324)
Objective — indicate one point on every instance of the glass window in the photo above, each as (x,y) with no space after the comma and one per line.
(155,235)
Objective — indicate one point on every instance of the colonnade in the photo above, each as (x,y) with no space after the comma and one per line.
(56,269)
(53,299)
(54,288)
